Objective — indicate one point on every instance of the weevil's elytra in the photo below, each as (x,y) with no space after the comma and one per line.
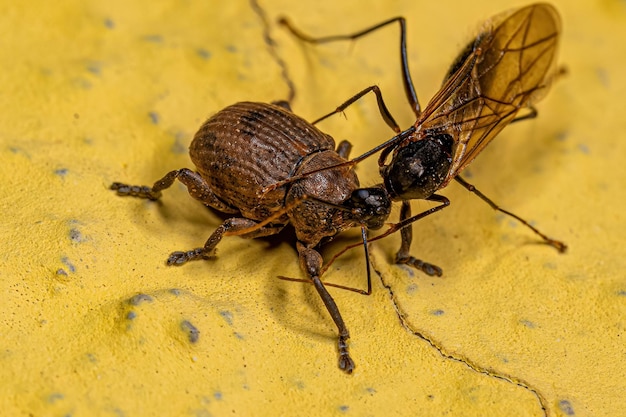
(235,152)
(506,68)
(249,146)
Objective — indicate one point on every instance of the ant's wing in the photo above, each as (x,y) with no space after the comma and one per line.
(508,66)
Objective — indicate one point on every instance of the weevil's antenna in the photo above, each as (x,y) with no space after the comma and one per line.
(343,287)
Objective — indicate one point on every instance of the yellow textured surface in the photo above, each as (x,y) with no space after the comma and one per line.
(93,323)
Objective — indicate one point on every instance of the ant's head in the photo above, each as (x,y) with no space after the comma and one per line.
(418,168)
(369,206)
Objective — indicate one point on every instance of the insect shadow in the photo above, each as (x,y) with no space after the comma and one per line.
(506,68)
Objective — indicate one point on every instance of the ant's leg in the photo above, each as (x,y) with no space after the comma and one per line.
(382,107)
(283,103)
(403,224)
(341,150)
(560,246)
(386,147)
(532,113)
(311,263)
(271,48)
(409,89)
(196,186)
(234,226)
(403,256)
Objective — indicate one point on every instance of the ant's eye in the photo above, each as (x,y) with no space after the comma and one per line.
(361,194)
(370,206)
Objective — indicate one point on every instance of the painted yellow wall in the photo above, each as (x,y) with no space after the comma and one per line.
(93,323)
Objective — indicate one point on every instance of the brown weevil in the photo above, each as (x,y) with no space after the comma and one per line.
(507,67)
(247,147)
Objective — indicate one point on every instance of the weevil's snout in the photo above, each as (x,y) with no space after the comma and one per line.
(371,206)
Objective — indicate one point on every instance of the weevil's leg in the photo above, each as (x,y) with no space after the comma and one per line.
(409,89)
(382,107)
(197,187)
(233,226)
(403,256)
(311,263)
(344,148)
(139,191)
(200,190)
(343,287)
(560,246)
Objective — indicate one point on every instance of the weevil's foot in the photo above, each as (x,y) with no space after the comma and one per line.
(139,191)
(346,363)
(179,258)
(425,267)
